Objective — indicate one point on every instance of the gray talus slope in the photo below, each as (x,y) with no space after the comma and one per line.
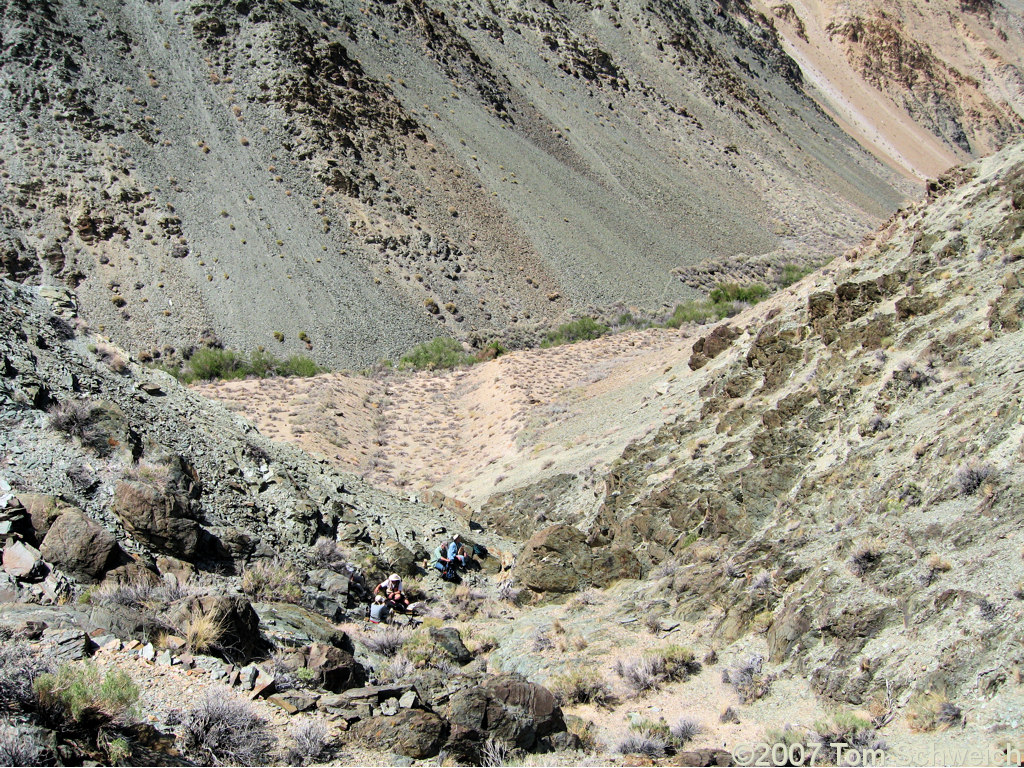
(377,176)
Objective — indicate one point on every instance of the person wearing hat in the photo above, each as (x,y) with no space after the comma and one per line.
(456,552)
(391,588)
(379,610)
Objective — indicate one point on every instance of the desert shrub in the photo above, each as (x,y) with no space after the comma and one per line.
(585,599)
(908,373)
(142,595)
(202,631)
(438,354)
(642,743)
(749,294)
(791,273)
(582,687)
(749,680)
(18,747)
(856,733)
(643,674)
(649,672)
(310,737)
(497,752)
(208,364)
(221,730)
(685,730)
(866,556)
(326,553)
(398,667)
(19,669)
(75,419)
(582,329)
(931,711)
(677,662)
(699,312)
(274,580)
(970,477)
(388,641)
(541,641)
(214,364)
(80,691)
(729,715)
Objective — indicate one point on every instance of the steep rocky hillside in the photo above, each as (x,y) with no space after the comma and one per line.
(832,490)
(919,84)
(371,177)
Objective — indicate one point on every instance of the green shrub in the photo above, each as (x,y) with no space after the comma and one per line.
(793,272)
(210,364)
(751,294)
(439,354)
(583,329)
(82,692)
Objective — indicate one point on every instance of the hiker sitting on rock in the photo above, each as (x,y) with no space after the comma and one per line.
(379,610)
(391,589)
(449,557)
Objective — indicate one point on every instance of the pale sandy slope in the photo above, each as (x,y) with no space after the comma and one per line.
(974,45)
(471,432)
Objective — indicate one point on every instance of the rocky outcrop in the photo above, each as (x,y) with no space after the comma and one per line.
(81,547)
(559,559)
(412,732)
(509,708)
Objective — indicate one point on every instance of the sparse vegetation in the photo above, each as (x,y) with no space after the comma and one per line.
(856,733)
(792,273)
(685,730)
(210,364)
(18,748)
(648,744)
(275,580)
(582,687)
(651,671)
(82,693)
(387,642)
(749,680)
(222,730)
(19,669)
(582,329)
(970,477)
(310,737)
(441,353)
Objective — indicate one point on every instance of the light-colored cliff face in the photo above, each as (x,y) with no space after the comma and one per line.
(921,85)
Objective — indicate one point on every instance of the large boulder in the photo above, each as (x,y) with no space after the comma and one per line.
(238,638)
(337,669)
(80,546)
(450,640)
(412,733)
(291,626)
(43,509)
(155,506)
(510,708)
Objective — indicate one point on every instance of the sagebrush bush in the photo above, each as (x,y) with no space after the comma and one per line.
(80,691)
(222,730)
(75,418)
(791,273)
(651,671)
(19,747)
(685,730)
(310,737)
(931,711)
(582,687)
(19,669)
(647,744)
(748,294)
(845,728)
(439,354)
(970,477)
(388,641)
(748,679)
